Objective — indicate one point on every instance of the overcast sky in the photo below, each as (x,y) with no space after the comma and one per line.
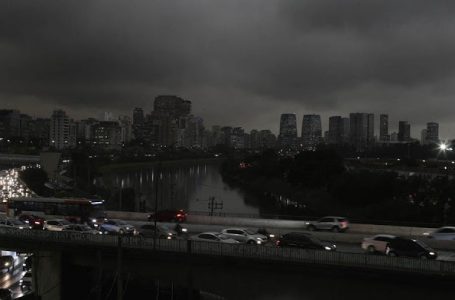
(241,62)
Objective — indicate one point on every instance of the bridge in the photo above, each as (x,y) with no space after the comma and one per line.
(234,271)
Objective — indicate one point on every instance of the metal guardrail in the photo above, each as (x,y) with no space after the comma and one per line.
(261,253)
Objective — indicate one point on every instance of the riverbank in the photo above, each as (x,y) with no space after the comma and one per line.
(168,163)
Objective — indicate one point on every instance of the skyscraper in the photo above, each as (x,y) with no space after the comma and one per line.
(168,119)
(336,130)
(432,133)
(138,116)
(384,128)
(423,137)
(404,131)
(361,130)
(311,131)
(288,130)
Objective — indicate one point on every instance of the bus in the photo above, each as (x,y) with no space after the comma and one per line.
(72,209)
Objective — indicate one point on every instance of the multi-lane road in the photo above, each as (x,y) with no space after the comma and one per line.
(348,242)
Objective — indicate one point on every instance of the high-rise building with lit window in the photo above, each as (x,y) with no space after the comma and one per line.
(311,131)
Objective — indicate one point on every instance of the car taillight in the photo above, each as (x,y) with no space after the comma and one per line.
(278,242)
(344,224)
(37,223)
(179,215)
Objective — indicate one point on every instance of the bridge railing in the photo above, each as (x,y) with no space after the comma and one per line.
(259,253)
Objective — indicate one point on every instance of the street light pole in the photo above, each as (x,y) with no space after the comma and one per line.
(155,219)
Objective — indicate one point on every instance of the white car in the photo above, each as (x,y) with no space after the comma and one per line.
(213,237)
(333,223)
(55,225)
(446,233)
(114,226)
(377,243)
(245,236)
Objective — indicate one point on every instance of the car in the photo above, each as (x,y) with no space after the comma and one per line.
(213,237)
(333,223)
(80,228)
(304,241)
(245,236)
(170,215)
(265,232)
(55,224)
(162,232)
(35,222)
(410,248)
(115,226)
(377,243)
(26,281)
(13,223)
(6,294)
(6,262)
(444,233)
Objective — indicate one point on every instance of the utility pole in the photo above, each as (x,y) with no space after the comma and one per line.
(119,269)
(212,205)
(155,219)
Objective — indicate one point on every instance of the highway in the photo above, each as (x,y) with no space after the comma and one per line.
(340,239)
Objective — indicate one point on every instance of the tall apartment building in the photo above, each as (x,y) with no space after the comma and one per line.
(63,131)
(107,134)
(311,131)
(9,123)
(404,131)
(338,130)
(361,130)
(168,120)
(288,130)
(126,129)
(384,128)
(432,133)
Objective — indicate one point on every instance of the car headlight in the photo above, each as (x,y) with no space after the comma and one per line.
(184,230)
(93,220)
(327,248)
(432,253)
(271,236)
(21,227)
(259,242)
(170,233)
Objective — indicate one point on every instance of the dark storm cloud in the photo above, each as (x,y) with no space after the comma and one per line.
(276,56)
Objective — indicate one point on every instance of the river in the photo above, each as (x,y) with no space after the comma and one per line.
(191,186)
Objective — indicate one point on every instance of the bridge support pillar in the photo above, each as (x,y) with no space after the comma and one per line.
(47,275)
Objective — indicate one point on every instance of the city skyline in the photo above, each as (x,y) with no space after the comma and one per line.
(309,57)
(393,127)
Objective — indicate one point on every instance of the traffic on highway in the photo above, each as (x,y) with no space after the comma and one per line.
(87,216)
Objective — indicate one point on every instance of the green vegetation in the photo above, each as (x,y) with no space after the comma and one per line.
(317,183)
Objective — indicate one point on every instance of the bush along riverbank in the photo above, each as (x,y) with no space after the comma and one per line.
(316,183)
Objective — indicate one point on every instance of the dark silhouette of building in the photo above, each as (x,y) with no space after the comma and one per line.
(288,130)
(432,134)
(404,131)
(311,131)
(361,130)
(384,128)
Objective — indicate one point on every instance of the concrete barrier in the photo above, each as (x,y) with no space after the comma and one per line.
(276,224)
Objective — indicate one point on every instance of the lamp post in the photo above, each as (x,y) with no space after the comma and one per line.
(443,147)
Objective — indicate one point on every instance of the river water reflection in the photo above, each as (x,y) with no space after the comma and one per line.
(185,185)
